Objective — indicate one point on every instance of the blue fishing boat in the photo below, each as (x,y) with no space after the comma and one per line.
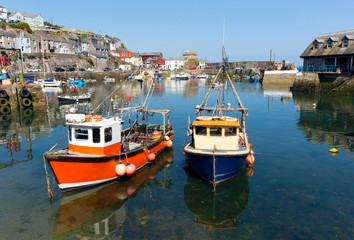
(219,147)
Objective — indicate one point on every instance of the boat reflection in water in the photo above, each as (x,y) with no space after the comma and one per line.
(98,212)
(217,209)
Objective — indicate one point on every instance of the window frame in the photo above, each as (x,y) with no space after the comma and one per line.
(108,135)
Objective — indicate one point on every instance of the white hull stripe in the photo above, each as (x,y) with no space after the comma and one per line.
(81,184)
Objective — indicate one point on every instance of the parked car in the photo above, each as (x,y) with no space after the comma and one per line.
(70,69)
(107,69)
(82,69)
(89,70)
(59,69)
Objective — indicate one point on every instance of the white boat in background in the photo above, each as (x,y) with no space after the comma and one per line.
(183,76)
(203,76)
(108,79)
(50,83)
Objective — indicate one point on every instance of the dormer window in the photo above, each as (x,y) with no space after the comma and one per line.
(329,44)
(345,43)
(315,45)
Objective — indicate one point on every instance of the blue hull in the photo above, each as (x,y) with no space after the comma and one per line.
(226,166)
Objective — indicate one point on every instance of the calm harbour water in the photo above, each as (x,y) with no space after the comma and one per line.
(298,189)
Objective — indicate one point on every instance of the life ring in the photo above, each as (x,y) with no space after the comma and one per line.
(93,118)
(24,93)
(3,102)
(204,118)
(3,93)
(231,119)
(5,109)
(26,102)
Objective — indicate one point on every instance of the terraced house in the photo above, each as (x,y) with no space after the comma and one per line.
(330,52)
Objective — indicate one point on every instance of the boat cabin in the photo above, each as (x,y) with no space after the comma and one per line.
(221,132)
(94,135)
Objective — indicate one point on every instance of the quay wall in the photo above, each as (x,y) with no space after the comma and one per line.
(14,99)
(279,77)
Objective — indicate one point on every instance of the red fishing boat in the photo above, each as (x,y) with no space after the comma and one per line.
(99,150)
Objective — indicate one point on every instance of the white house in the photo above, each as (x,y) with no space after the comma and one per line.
(174,63)
(33,20)
(23,41)
(202,63)
(3,14)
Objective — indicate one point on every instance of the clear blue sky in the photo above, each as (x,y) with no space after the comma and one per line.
(172,27)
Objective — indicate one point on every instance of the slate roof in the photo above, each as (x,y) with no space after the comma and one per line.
(24,14)
(336,49)
(6,34)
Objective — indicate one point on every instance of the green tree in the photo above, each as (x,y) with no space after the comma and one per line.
(24,25)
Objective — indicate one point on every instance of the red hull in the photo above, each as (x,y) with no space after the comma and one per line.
(73,171)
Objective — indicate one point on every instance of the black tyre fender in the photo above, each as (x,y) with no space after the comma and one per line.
(3,102)
(24,93)
(5,109)
(26,102)
(27,112)
(3,94)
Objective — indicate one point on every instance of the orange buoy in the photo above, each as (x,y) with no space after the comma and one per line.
(184,153)
(130,169)
(250,160)
(120,169)
(169,143)
(213,85)
(151,156)
(252,152)
(250,144)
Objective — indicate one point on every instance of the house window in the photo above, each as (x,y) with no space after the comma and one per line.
(345,43)
(315,46)
(96,135)
(329,44)
(108,134)
(215,131)
(81,134)
(201,131)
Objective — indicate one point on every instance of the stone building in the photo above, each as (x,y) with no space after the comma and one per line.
(330,52)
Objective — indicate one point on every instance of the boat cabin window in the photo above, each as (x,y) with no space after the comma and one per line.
(201,131)
(96,135)
(230,131)
(70,137)
(215,131)
(108,134)
(81,134)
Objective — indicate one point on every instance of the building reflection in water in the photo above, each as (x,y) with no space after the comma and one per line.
(217,209)
(326,120)
(99,211)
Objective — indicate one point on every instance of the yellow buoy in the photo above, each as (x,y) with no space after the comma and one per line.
(333,150)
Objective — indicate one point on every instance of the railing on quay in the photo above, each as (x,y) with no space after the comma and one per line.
(322,68)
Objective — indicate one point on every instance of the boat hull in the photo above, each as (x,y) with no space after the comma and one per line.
(75,170)
(227,163)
